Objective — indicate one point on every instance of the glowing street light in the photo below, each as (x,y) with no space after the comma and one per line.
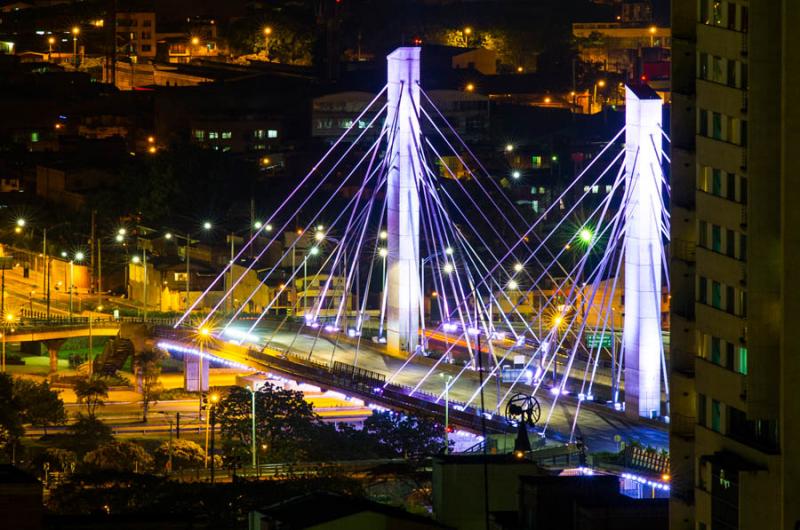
(313,251)
(518,267)
(168,235)
(136,259)
(383,252)
(448,268)
(207,225)
(384,234)
(268,228)
(449,251)
(20,222)
(470,87)
(585,235)
(257,225)
(119,238)
(79,256)
(319,235)
(513,285)
(509,148)
(268,30)
(516,174)
(75,31)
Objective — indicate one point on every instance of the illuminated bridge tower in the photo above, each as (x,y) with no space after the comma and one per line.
(403,300)
(641,335)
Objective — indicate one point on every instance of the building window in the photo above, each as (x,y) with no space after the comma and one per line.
(147,35)
(200,135)
(701,409)
(259,134)
(703,125)
(34,137)
(742,368)
(226,135)
(716,294)
(716,238)
(272,133)
(730,243)
(702,290)
(213,135)
(716,415)
(715,350)
(146,48)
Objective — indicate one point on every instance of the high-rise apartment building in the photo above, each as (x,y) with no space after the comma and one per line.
(735,265)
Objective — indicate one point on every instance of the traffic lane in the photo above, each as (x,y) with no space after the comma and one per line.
(590,423)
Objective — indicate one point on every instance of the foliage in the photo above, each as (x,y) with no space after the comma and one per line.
(403,436)
(91,391)
(148,368)
(284,420)
(59,459)
(291,40)
(10,420)
(186,454)
(85,435)
(119,456)
(39,404)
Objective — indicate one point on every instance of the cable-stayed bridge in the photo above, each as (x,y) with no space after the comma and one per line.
(441,284)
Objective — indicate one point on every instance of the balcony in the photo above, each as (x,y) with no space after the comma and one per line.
(683,250)
(724,384)
(682,425)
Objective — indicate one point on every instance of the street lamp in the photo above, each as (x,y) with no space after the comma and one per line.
(77,257)
(9,319)
(75,31)
(313,251)
(447,383)
(143,260)
(518,267)
(267,32)
(50,42)
(516,174)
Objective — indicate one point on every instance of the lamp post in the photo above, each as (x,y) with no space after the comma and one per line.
(313,251)
(50,42)
(7,320)
(77,257)
(267,33)
(143,260)
(75,31)
(447,381)
(253,454)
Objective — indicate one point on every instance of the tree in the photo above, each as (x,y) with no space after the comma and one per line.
(91,392)
(85,435)
(39,404)
(186,454)
(284,420)
(10,420)
(58,459)
(405,436)
(119,456)
(148,370)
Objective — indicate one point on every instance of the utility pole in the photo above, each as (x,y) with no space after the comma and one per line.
(91,252)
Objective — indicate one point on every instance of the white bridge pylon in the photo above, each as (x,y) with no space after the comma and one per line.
(402,318)
(406,254)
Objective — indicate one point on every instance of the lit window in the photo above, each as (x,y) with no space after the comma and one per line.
(34,137)
(259,134)
(608,188)
(200,134)
(226,135)
(213,135)
(272,133)
(595,189)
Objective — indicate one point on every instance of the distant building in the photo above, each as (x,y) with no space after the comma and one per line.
(634,49)
(136,34)
(332,114)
